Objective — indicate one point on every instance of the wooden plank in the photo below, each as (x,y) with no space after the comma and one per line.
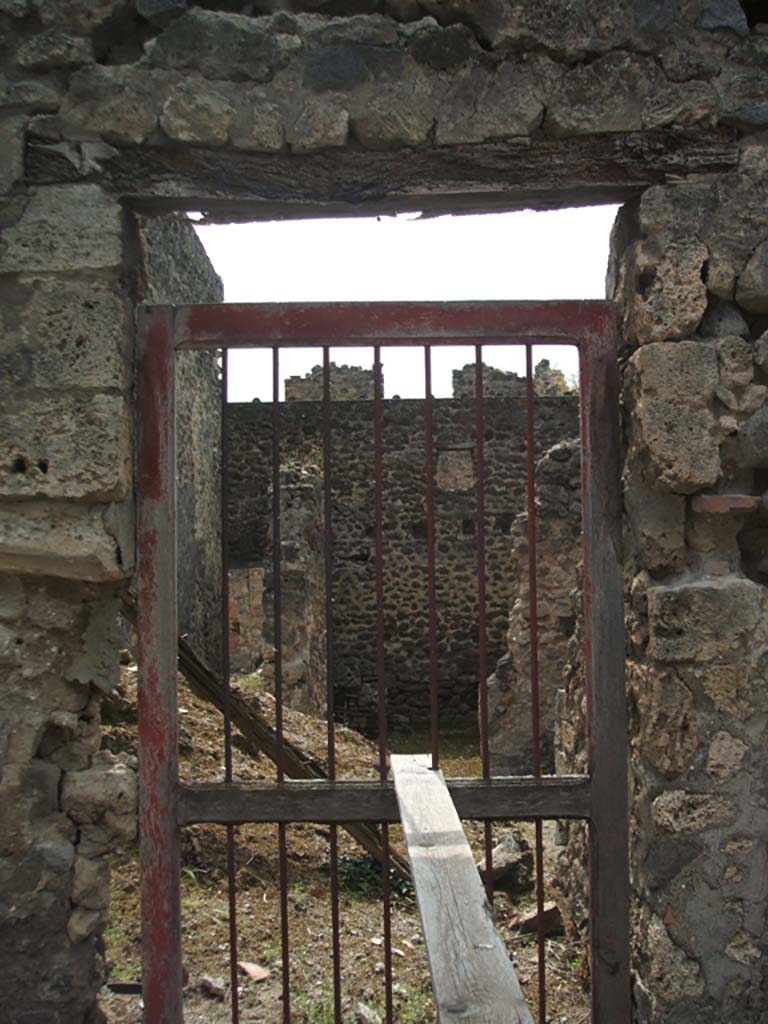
(156,630)
(472,976)
(507,174)
(347,801)
(603,604)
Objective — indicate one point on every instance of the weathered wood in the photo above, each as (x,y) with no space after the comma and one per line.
(472,976)
(504,175)
(156,627)
(603,603)
(260,737)
(350,801)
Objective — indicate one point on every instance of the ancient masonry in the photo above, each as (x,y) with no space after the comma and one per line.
(405,538)
(114,113)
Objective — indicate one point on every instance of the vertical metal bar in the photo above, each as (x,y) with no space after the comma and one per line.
(430,503)
(225,670)
(277,587)
(330,674)
(157,630)
(603,609)
(482,656)
(382,688)
(533,626)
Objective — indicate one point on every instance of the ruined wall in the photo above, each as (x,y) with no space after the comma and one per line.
(479,105)
(558,557)
(405,535)
(175,270)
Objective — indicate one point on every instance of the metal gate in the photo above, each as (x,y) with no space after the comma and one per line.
(599,797)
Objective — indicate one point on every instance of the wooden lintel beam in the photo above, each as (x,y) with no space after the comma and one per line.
(342,802)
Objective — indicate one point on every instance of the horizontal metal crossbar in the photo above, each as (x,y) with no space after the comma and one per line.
(344,324)
(518,797)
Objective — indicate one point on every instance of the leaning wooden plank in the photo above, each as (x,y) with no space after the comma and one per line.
(472,976)
(260,736)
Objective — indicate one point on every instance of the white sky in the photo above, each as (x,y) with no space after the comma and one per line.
(555,255)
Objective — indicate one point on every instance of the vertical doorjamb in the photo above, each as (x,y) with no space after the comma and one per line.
(157,631)
(604,673)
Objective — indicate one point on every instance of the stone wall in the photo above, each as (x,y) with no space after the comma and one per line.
(347,384)
(420,105)
(405,536)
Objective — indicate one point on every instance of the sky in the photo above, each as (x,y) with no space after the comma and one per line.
(554,255)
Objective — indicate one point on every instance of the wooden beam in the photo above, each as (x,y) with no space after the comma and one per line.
(512,174)
(472,976)
(356,801)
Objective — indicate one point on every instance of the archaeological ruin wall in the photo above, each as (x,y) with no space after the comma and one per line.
(114,108)
(405,536)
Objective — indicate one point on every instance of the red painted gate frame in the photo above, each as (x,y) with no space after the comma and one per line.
(590,325)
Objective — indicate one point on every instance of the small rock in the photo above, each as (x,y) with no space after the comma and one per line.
(551,918)
(214,988)
(365,1014)
(512,862)
(723,318)
(254,971)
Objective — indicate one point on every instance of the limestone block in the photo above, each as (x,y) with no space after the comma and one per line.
(74,541)
(441,48)
(753,440)
(82,923)
(398,115)
(677,810)
(35,96)
(742,91)
(726,755)
(80,15)
(66,447)
(54,50)
(63,332)
(666,731)
(196,113)
(752,286)
(744,950)
(11,151)
(676,385)
(705,619)
(95,661)
(670,297)
(657,519)
(606,95)
(90,884)
(120,104)
(224,47)
(483,104)
(320,124)
(734,357)
(258,124)
(108,788)
(723,319)
(64,227)
(761,352)
(673,976)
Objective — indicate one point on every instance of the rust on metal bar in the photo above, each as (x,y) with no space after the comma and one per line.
(386,323)
(158,718)
(429,447)
(533,626)
(330,675)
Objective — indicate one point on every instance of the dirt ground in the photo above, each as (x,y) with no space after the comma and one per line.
(205,901)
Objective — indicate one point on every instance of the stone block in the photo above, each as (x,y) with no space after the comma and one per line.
(734,356)
(90,885)
(66,447)
(321,124)
(80,15)
(752,285)
(120,104)
(724,14)
(63,332)
(64,539)
(677,810)
(668,297)
(726,755)
(222,46)
(35,96)
(13,597)
(482,105)
(64,227)
(705,620)
(196,113)
(108,788)
(723,319)
(54,50)
(258,124)
(11,151)
(666,732)
(657,519)
(396,115)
